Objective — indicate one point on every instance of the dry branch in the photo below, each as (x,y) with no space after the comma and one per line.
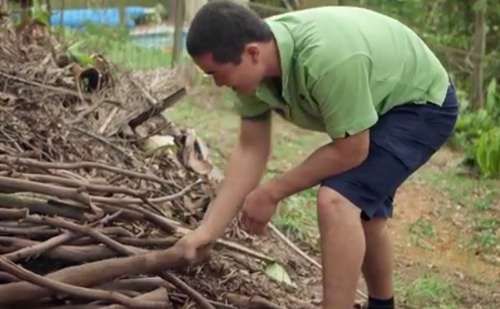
(41,206)
(12,214)
(92,294)
(48,165)
(52,249)
(95,273)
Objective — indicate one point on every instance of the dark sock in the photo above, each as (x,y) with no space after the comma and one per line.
(375,303)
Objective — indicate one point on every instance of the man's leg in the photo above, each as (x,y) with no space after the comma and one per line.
(342,248)
(378,262)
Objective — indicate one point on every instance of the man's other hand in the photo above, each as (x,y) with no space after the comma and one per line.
(258,209)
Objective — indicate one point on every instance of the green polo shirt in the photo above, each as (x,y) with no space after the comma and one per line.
(343,67)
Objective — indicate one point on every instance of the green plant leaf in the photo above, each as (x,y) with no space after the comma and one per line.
(278,273)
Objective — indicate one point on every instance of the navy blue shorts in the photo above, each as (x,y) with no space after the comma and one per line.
(401,141)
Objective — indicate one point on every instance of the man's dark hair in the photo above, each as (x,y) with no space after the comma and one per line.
(224,28)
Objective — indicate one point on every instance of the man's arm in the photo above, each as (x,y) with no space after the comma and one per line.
(243,173)
(334,158)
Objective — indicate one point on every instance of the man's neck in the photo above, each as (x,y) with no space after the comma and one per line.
(272,58)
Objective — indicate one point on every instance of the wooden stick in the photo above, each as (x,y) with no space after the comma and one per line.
(302,254)
(181,285)
(254,302)
(94,273)
(86,230)
(52,249)
(86,164)
(39,248)
(12,214)
(39,205)
(87,293)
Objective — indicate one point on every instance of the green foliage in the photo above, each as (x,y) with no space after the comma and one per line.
(40,13)
(478,133)
(487,152)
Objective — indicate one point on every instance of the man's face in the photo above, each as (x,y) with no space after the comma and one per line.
(243,78)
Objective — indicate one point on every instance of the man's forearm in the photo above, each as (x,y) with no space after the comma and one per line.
(324,162)
(243,174)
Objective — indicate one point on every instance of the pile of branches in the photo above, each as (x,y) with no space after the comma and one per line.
(89,215)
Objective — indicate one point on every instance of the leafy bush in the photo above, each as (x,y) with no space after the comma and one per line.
(487,152)
(478,134)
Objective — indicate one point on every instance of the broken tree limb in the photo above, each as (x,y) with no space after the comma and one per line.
(13,248)
(91,187)
(12,214)
(30,248)
(85,164)
(79,194)
(81,292)
(94,273)
(254,302)
(86,230)
(136,284)
(40,206)
(159,294)
(26,248)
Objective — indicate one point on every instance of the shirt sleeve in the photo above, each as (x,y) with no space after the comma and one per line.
(249,106)
(344,97)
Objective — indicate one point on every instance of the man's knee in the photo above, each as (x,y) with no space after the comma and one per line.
(333,205)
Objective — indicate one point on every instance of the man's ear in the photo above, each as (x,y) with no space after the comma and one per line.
(253,50)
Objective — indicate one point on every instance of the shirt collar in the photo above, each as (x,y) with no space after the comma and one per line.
(285,44)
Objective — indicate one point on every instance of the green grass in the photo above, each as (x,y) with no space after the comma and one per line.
(421,231)
(116,46)
(428,291)
(297,217)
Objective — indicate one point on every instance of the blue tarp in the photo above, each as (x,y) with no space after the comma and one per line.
(77,18)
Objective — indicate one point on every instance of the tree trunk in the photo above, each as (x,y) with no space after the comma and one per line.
(4,8)
(477,52)
(180,14)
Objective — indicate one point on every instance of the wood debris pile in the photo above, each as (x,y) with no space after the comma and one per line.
(90,211)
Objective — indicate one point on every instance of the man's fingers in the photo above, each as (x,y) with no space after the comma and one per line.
(252,226)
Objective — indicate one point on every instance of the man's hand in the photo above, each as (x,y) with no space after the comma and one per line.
(196,245)
(258,209)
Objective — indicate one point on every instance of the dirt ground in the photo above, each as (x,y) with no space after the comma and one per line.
(476,281)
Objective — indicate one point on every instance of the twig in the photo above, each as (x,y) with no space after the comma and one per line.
(40,85)
(86,230)
(10,214)
(290,244)
(87,293)
(253,302)
(302,254)
(7,183)
(39,248)
(42,206)
(85,164)
(181,285)
(92,108)
(104,141)
(108,120)
(69,253)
